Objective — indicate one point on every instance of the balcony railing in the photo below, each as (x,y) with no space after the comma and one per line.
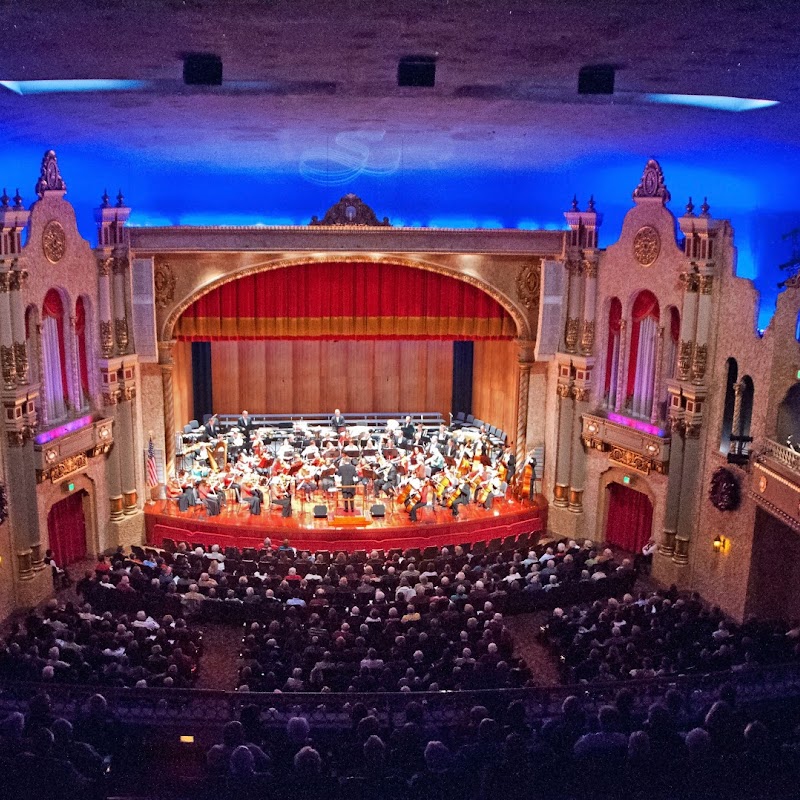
(196,710)
(783,455)
(65,450)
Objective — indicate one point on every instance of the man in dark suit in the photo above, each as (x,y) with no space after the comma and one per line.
(213,429)
(407,429)
(338,422)
(246,426)
(349,475)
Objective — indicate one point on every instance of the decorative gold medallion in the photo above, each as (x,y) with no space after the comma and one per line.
(762,484)
(164,282)
(528,283)
(646,245)
(54,241)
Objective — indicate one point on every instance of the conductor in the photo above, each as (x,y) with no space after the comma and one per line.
(349,475)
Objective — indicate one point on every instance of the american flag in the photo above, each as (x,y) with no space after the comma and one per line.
(152,470)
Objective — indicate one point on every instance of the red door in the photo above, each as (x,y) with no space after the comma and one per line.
(629,523)
(66,527)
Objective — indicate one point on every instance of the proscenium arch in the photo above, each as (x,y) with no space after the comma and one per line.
(520,320)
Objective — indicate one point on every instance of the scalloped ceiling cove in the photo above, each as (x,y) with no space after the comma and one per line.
(336,110)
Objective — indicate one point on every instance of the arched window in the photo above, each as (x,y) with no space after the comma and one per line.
(612,351)
(83,364)
(748,390)
(642,355)
(54,361)
(730,399)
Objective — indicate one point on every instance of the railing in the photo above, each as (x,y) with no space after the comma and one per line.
(196,710)
(784,455)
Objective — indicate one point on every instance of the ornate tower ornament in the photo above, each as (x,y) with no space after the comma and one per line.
(50,178)
(54,241)
(528,283)
(652,182)
(164,282)
(646,245)
(350,210)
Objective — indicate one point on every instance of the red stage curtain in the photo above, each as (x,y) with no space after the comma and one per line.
(630,518)
(645,305)
(53,307)
(80,334)
(66,528)
(614,326)
(346,301)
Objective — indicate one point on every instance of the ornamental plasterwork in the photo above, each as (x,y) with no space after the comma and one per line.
(350,210)
(164,282)
(54,241)
(69,466)
(652,182)
(528,284)
(50,177)
(646,245)
(571,334)
(106,339)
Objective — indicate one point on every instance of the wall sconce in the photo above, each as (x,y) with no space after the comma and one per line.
(51,456)
(592,427)
(652,449)
(719,543)
(104,433)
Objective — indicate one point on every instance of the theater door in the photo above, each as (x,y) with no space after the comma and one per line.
(629,521)
(66,528)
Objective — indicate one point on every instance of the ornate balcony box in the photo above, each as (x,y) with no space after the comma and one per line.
(66,449)
(776,482)
(631,443)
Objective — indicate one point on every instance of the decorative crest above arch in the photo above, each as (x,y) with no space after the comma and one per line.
(652,183)
(350,210)
(50,179)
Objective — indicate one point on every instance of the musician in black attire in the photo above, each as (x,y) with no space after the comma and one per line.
(349,475)
(462,498)
(510,460)
(338,422)
(386,481)
(213,430)
(246,426)
(407,429)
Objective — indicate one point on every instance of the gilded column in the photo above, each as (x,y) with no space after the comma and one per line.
(167,365)
(563,453)
(577,476)
(104,306)
(700,354)
(736,422)
(120,317)
(44,415)
(589,302)
(7,361)
(658,383)
(17,281)
(622,367)
(690,469)
(525,359)
(667,544)
(690,282)
(76,390)
(573,330)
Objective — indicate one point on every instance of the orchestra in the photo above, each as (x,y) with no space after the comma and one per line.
(404,463)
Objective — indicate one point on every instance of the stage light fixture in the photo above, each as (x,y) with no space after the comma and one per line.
(719,543)
(596,79)
(202,69)
(418,71)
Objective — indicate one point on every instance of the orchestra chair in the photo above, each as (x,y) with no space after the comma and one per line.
(430,553)
(169,545)
(494,546)
(249,554)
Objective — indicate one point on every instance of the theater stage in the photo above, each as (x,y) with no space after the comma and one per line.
(437,527)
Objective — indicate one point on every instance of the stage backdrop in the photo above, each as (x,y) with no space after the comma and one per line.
(359,336)
(309,376)
(494,385)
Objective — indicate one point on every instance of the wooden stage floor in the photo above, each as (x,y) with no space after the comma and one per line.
(509,517)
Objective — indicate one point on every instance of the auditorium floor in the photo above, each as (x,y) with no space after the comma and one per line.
(219,665)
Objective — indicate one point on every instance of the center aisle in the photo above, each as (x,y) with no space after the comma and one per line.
(220,662)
